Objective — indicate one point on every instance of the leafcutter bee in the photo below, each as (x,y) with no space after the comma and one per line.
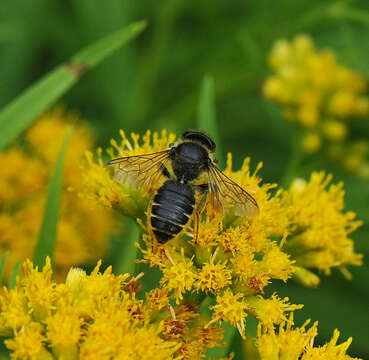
(190,177)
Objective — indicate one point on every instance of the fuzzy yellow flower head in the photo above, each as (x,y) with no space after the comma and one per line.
(83,227)
(97,184)
(319,231)
(318,94)
(98,316)
(294,343)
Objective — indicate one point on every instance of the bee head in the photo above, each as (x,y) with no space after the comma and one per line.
(200,137)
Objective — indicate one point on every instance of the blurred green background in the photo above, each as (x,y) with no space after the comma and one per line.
(155,81)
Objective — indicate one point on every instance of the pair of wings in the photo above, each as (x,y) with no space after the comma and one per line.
(147,169)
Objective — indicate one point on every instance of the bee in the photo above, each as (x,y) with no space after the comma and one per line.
(190,177)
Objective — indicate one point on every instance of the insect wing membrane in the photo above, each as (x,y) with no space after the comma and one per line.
(224,190)
(140,169)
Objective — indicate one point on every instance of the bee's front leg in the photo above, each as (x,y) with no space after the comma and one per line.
(202,190)
(164,170)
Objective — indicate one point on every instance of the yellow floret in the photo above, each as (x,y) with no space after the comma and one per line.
(230,308)
(213,277)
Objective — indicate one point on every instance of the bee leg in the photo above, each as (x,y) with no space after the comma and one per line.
(164,170)
(196,222)
(202,189)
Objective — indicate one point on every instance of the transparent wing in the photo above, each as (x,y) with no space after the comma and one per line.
(140,169)
(223,191)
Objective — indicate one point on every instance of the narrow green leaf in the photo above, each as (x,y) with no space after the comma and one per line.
(22,111)
(206,114)
(14,274)
(126,260)
(47,235)
(2,265)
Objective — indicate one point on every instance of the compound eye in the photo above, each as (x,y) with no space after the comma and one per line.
(216,161)
(171,145)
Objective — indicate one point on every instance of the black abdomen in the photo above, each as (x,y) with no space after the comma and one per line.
(172,207)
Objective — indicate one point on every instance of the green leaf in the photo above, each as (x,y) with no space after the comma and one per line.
(47,235)
(126,259)
(14,274)
(206,114)
(2,265)
(22,111)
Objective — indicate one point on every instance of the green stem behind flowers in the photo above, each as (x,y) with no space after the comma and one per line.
(2,266)
(47,236)
(126,261)
(294,162)
(206,115)
(14,274)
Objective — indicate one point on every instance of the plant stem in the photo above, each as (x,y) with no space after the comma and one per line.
(127,261)
(296,156)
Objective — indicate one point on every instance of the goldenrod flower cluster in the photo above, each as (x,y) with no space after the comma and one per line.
(319,228)
(320,95)
(233,259)
(101,316)
(98,316)
(297,343)
(83,228)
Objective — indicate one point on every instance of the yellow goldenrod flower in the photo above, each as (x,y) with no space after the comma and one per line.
(329,350)
(230,308)
(14,312)
(179,276)
(318,94)
(64,330)
(158,299)
(296,343)
(38,289)
(319,227)
(213,277)
(311,143)
(277,264)
(97,183)
(270,311)
(99,316)
(83,228)
(28,343)
(20,176)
